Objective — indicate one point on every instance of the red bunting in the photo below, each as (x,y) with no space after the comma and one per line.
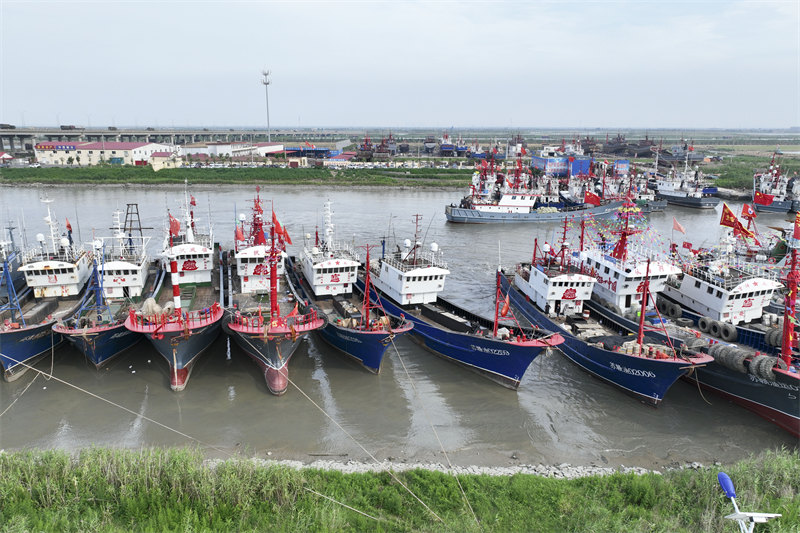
(192,201)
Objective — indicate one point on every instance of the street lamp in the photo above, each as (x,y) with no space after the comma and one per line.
(265,82)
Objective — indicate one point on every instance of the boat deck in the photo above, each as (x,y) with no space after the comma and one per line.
(37,310)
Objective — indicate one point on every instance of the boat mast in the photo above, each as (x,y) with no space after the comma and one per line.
(643,307)
(274,312)
(790,301)
(365,306)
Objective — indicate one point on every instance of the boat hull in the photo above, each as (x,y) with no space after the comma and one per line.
(100,344)
(21,348)
(366,347)
(473,216)
(704,202)
(776,401)
(502,362)
(777,206)
(271,353)
(179,343)
(646,379)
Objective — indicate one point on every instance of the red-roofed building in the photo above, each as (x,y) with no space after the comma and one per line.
(92,153)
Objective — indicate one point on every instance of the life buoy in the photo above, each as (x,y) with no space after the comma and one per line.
(771,260)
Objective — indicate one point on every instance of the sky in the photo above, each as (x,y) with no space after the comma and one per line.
(401,64)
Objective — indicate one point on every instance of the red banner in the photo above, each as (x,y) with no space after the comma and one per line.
(748,211)
(796,234)
(687,245)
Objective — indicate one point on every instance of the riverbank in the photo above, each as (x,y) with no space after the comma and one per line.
(264,176)
(175,489)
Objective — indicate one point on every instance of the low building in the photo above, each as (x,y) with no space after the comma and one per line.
(64,153)
(161,160)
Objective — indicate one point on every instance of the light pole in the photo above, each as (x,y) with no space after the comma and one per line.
(265,82)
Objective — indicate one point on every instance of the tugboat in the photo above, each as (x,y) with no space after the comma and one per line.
(325,276)
(268,328)
(119,275)
(181,334)
(55,280)
(407,284)
(551,292)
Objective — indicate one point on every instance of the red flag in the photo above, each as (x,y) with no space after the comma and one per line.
(728,218)
(676,226)
(494,150)
(278,228)
(174,226)
(260,239)
(796,234)
(286,237)
(192,201)
(591,198)
(748,211)
(238,234)
(687,245)
(763,199)
(524,152)
(69,226)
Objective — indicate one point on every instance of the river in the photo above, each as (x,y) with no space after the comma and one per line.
(559,415)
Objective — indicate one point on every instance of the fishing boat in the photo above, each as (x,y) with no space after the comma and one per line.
(429,144)
(325,276)
(407,284)
(446,146)
(268,327)
(182,323)
(11,258)
(768,385)
(120,272)
(54,283)
(554,292)
(497,198)
(775,192)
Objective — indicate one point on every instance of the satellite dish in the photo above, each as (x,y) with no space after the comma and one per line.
(407,243)
(434,247)
(39,238)
(64,242)
(242,218)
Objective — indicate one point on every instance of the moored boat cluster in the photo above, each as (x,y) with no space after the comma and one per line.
(636,318)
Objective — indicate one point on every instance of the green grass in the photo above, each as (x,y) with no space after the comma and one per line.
(263,176)
(173,490)
(736,172)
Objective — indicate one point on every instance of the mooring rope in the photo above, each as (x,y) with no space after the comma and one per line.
(312,491)
(112,403)
(433,428)
(390,472)
(148,419)
(20,395)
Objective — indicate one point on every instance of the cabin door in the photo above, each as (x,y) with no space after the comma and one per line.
(125,292)
(627,301)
